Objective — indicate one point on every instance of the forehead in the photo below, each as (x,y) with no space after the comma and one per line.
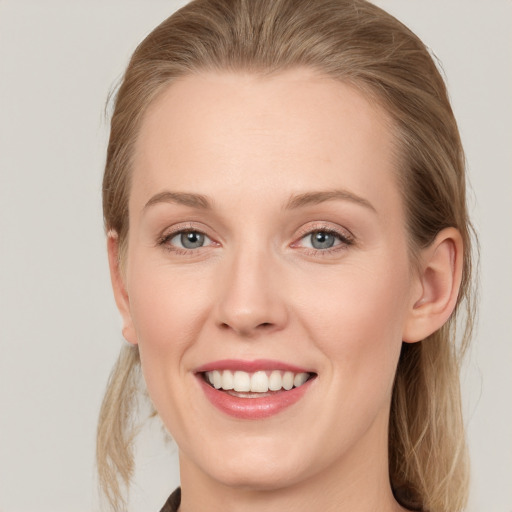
(214,133)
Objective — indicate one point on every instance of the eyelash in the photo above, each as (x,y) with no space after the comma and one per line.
(345,241)
(164,240)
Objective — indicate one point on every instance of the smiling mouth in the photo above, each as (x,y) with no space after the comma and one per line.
(256,384)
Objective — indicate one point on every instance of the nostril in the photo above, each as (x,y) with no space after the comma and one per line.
(248,330)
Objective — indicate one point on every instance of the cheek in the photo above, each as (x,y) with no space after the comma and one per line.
(167,310)
(356,318)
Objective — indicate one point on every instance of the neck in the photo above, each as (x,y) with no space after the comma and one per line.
(357,482)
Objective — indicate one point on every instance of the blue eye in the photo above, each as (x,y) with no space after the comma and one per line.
(323,239)
(187,240)
(191,240)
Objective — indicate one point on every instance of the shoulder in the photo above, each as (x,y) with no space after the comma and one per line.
(173,502)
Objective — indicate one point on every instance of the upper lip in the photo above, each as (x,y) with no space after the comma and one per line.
(250,366)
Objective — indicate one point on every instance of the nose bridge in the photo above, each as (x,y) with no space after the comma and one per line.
(250,301)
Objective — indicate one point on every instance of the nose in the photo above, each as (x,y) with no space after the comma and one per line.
(252,298)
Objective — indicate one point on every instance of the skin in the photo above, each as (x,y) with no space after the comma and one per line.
(257,289)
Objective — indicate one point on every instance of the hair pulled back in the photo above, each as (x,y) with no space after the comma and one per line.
(354,42)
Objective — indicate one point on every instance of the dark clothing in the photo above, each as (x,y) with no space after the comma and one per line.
(173,503)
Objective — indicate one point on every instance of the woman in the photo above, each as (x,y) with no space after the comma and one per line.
(289,244)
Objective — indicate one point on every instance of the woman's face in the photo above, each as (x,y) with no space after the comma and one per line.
(267,246)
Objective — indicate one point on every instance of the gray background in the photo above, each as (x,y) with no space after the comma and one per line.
(59,329)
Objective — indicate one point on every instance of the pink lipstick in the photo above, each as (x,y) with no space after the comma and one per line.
(253,389)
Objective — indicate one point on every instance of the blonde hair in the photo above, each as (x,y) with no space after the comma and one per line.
(355,42)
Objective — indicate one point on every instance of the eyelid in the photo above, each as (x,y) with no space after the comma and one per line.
(170,232)
(346,238)
(342,232)
(183,226)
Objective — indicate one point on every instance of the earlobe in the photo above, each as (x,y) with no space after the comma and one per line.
(438,283)
(119,288)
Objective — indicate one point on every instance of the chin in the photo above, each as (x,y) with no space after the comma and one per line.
(255,468)
(250,478)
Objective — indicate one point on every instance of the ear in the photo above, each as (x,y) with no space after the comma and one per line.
(437,286)
(118,285)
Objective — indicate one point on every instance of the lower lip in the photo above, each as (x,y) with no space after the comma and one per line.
(253,408)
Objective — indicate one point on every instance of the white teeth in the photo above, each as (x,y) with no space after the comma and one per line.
(288,380)
(257,382)
(299,379)
(227,380)
(241,382)
(275,381)
(217,379)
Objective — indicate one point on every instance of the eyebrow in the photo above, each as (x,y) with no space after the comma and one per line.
(183,198)
(312,198)
(296,201)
